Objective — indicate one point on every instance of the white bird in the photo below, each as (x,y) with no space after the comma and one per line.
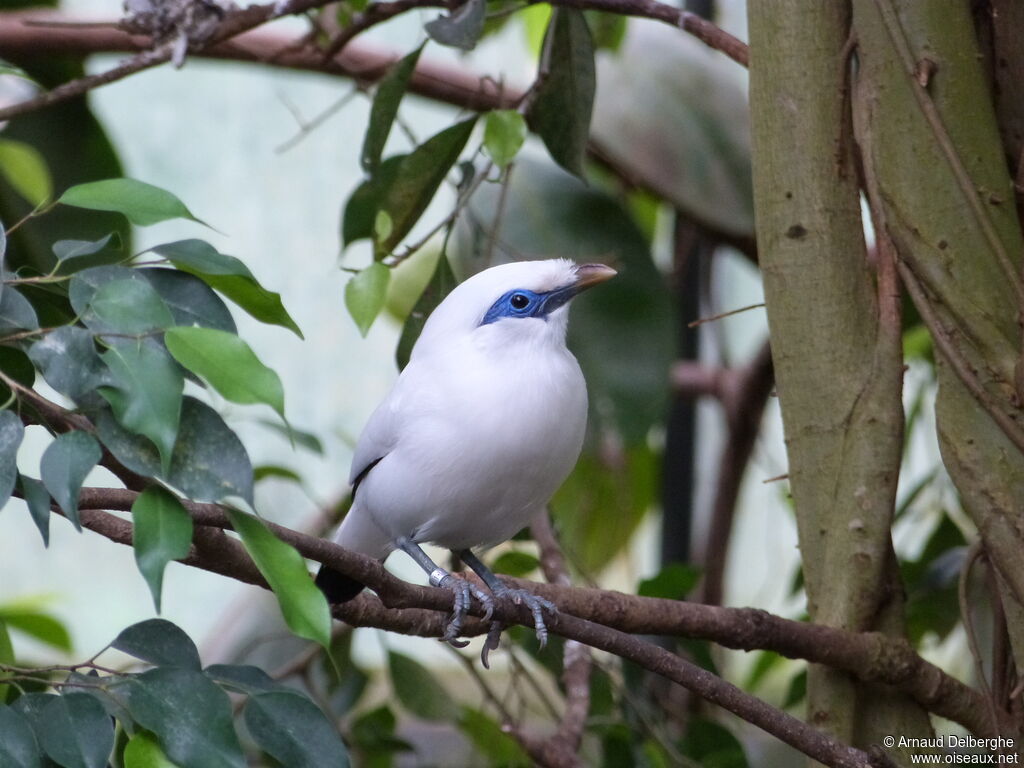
(478,432)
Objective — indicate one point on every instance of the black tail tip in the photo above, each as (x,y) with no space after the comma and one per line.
(337,587)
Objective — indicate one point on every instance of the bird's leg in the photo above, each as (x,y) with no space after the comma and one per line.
(461,588)
(535,603)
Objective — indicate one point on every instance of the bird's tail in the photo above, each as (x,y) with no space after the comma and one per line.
(360,533)
(336,586)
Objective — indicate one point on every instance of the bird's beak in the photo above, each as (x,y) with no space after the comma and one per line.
(589,275)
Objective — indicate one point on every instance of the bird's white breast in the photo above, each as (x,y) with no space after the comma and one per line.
(485,435)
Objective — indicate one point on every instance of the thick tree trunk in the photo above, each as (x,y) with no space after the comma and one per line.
(835,334)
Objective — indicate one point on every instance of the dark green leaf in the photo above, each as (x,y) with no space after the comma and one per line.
(420,174)
(143,751)
(162,532)
(797,690)
(37,499)
(229,276)
(515,564)
(75,255)
(673,582)
(292,729)
(374,735)
(363,205)
(385,107)
(11,434)
(191,301)
(145,392)
(561,109)
(462,28)
(190,716)
(6,68)
(105,694)
(302,603)
(608,30)
(25,169)
(765,662)
(418,691)
(6,657)
(228,364)
(272,470)
(15,311)
(18,747)
(440,285)
(123,306)
(209,462)
(17,365)
(242,677)
(491,741)
(68,360)
(159,642)
(712,745)
(41,626)
(78,732)
(504,133)
(142,203)
(365,293)
(65,463)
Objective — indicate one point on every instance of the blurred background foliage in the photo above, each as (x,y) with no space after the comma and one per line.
(669,145)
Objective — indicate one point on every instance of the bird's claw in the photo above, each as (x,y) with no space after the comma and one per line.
(463,590)
(491,642)
(537,606)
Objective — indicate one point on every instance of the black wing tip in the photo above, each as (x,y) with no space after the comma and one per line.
(337,587)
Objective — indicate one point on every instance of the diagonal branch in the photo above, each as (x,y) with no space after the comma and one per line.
(415,610)
(227,555)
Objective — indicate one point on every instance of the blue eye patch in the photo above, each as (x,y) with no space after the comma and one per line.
(523,303)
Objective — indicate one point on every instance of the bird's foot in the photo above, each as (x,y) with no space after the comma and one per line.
(535,603)
(463,591)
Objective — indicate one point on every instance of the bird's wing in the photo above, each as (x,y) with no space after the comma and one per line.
(377,440)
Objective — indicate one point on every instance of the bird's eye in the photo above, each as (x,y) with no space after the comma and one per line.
(519,301)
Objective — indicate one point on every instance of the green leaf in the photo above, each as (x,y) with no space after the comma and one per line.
(673,582)
(68,360)
(515,564)
(797,691)
(229,276)
(440,285)
(143,751)
(561,110)
(228,364)
(504,134)
(142,203)
(418,177)
(209,462)
(78,732)
(41,626)
(360,215)
(75,255)
(18,747)
(64,466)
(365,294)
(37,499)
(6,657)
(6,68)
(292,729)
(159,642)
(243,677)
(16,365)
(11,434)
(374,734)
(145,392)
(190,716)
(462,28)
(15,311)
(491,741)
(306,440)
(126,304)
(385,108)
(161,532)
(418,691)
(272,470)
(303,605)
(25,169)
(191,301)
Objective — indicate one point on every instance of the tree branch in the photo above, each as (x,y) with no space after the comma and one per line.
(243,20)
(228,555)
(415,610)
